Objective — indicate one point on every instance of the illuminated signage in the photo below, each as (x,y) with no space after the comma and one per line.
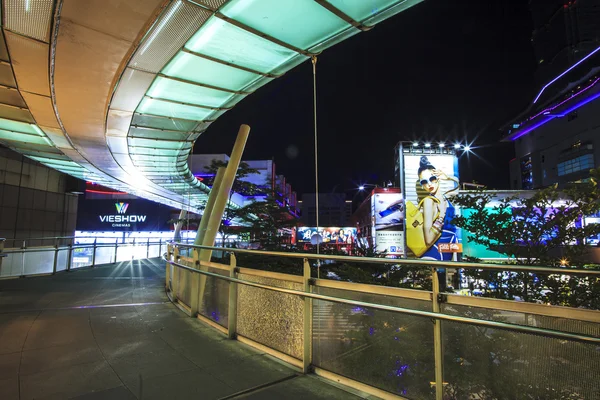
(325,235)
(387,207)
(429,182)
(133,215)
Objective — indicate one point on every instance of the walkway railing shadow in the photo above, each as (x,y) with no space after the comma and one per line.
(394,342)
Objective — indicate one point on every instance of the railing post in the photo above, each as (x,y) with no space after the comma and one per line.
(437,338)
(168,268)
(55,263)
(233,295)
(116,247)
(195,300)
(94,254)
(175,278)
(148,248)
(306,330)
(69,256)
(2,240)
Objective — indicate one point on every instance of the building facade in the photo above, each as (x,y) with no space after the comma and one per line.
(35,201)
(334,209)
(557,139)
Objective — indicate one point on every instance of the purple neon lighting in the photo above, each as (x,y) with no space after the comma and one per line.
(526,131)
(564,73)
(551,117)
(564,101)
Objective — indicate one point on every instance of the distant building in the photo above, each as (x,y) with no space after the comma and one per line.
(557,138)
(334,210)
(265,177)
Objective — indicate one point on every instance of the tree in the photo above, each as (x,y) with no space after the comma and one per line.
(263,218)
(545,229)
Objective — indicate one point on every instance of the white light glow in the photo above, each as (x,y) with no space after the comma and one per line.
(457,146)
(416,144)
(467,148)
(160,27)
(361,187)
(442,145)
(427,144)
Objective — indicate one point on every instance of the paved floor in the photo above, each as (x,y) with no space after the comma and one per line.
(110,333)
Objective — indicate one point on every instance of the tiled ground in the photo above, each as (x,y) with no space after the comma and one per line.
(79,335)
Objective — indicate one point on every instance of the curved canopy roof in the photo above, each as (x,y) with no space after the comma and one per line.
(117,91)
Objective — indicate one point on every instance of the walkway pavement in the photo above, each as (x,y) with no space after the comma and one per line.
(110,333)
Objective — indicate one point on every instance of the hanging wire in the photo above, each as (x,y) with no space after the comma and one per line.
(314,65)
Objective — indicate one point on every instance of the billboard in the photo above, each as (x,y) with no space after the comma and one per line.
(387,207)
(329,235)
(430,181)
(122,215)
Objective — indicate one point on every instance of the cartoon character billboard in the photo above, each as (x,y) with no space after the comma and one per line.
(430,182)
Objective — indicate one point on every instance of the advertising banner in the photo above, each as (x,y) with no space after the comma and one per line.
(430,182)
(329,235)
(388,219)
(122,215)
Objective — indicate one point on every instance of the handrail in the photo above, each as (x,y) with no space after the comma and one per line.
(428,314)
(405,261)
(75,246)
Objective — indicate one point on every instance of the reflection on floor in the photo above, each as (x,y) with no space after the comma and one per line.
(110,333)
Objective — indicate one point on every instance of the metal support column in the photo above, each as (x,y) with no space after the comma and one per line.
(307,326)
(233,295)
(437,338)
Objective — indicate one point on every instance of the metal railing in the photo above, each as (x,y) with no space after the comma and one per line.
(61,256)
(394,342)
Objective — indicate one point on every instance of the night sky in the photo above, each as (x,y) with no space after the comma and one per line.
(443,70)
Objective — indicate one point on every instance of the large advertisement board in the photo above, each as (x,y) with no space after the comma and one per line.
(430,182)
(328,235)
(122,215)
(388,221)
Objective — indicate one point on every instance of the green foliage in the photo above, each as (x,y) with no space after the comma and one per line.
(544,230)
(262,219)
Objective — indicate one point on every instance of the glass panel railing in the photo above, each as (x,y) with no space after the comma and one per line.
(215,302)
(384,349)
(38,262)
(105,254)
(512,365)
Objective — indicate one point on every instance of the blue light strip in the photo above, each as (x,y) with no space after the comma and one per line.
(551,117)
(564,73)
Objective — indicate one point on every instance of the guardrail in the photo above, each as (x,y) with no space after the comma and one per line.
(393,342)
(45,260)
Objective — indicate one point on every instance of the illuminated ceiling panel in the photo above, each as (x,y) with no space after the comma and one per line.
(132,85)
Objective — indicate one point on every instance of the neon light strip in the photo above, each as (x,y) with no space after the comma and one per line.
(564,73)
(526,131)
(563,102)
(551,117)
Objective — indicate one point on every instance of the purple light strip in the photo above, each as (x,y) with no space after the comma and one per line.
(564,101)
(564,73)
(526,131)
(551,117)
